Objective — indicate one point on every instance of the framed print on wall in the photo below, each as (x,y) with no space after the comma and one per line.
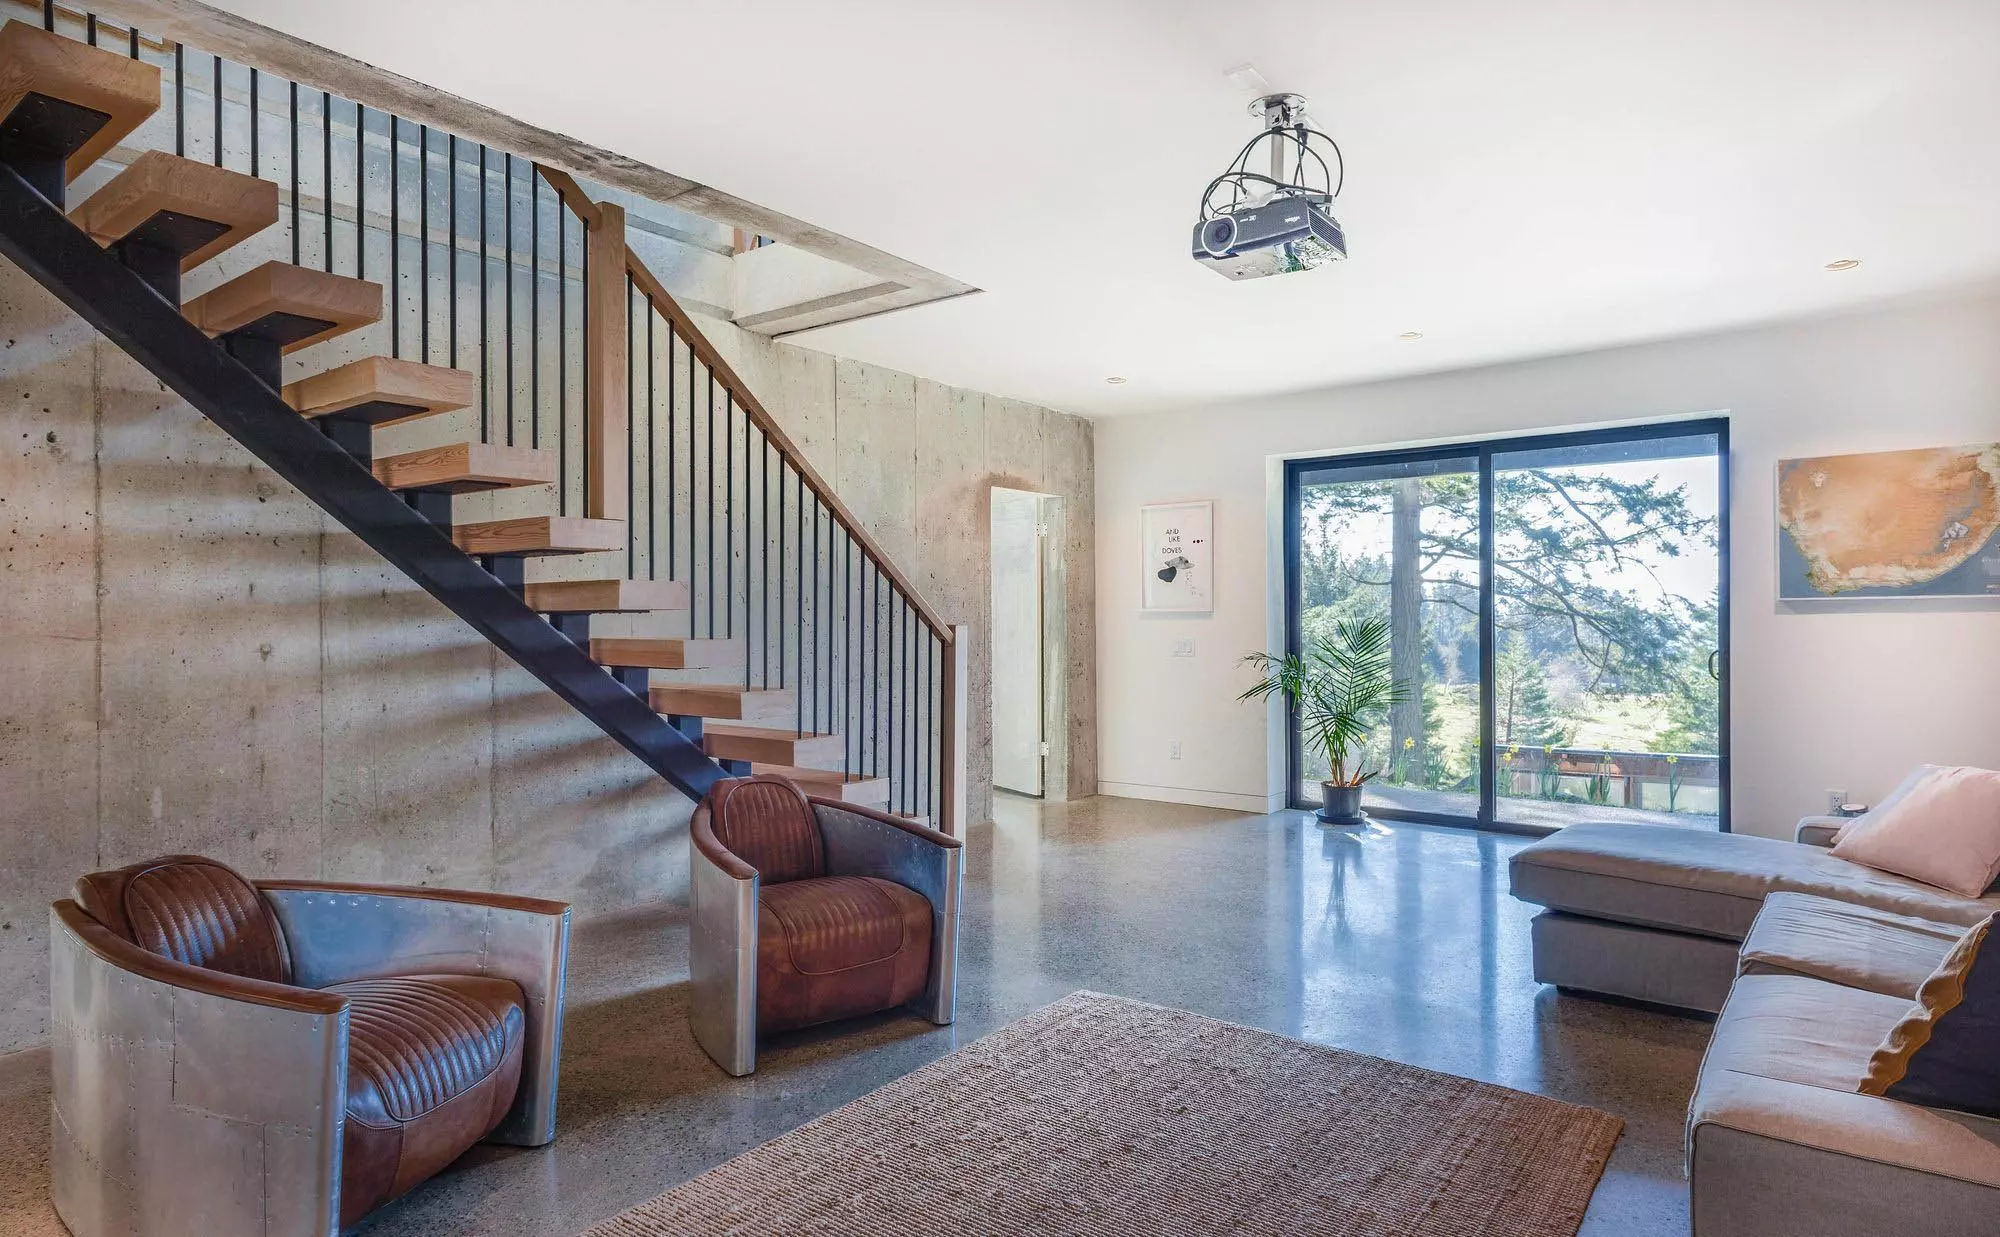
(1177,550)
(1890,524)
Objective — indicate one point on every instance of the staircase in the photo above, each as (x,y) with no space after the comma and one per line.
(698,591)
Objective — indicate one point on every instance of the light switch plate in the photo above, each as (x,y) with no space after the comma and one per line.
(1183,648)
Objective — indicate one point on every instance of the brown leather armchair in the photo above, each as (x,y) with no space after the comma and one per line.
(284,1056)
(808,910)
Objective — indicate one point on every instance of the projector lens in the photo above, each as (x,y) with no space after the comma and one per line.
(1218,236)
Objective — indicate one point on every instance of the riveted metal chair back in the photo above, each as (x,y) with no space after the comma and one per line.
(767,822)
(193,910)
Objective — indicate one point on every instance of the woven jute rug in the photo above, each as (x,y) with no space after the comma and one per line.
(1103,1116)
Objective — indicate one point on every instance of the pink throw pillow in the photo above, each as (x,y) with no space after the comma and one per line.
(1943,831)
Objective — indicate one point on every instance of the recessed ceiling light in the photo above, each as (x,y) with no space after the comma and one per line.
(1844,264)
(1411,335)
(1115,381)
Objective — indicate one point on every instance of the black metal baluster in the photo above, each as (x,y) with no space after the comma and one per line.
(899,626)
(631,435)
(424,242)
(451,258)
(920,703)
(910,706)
(583,357)
(180,96)
(90,29)
(784,679)
(875,678)
(673,467)
(254,126)
(485,303)
(535,309)
(507,225)
(711,505)
(849,611)
(360,180)
(729,521)
(816,679)
(217,84)
(562,334)
(395,237)
(764,564)
(326,171)
(135,42)
(49,15)
(653,448)
(293,129)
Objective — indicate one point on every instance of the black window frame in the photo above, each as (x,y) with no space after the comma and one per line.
(1483,451)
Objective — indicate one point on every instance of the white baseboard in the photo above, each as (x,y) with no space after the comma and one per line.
(1229,800)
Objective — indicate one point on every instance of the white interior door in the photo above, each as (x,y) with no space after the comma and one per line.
(1017,642)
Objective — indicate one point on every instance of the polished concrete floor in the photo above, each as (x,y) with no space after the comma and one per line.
(1401,941)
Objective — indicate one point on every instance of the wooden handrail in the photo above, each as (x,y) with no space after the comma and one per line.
(570,192)
(746,399)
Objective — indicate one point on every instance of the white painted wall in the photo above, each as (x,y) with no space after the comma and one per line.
(1846,695)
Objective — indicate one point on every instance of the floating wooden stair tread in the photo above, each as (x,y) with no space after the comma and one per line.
(760,745)
(467,467)
(541,534)
(606,596)
(666,653)
(758,707)
(61,99)
(195,210)
(292,306)
(856,788)
(383,391)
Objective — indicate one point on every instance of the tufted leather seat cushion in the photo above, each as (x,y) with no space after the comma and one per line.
(838,946)
(193,910)
(433,1064)
(768,823)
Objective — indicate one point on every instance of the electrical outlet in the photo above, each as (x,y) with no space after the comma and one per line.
(1183,648)
(1174,750)
(1835,800)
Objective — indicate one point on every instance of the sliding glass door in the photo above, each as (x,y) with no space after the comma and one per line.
(1557,609)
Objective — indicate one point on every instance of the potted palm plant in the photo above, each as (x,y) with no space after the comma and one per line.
(1339,690)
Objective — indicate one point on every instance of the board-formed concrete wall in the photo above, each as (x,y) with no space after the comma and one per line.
(193,658)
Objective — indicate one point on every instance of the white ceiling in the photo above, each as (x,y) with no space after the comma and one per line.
(1525,178)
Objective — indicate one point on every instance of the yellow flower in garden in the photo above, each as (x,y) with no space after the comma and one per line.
(1673,760)
(1409,743)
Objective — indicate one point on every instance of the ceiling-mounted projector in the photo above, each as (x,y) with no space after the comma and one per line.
(1253,224)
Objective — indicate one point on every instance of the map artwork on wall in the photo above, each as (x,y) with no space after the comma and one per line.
(1920,523)
(1179,557)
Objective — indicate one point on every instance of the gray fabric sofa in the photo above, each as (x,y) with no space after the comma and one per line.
(1809,961)
(1658,913)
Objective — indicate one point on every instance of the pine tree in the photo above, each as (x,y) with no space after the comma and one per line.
(1524,713)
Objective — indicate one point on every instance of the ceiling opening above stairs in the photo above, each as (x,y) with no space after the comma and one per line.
(724,257)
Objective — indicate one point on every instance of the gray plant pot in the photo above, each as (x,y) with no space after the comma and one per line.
(1341,805)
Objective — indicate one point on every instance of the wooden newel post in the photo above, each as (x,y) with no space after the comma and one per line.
(952,683)
(607,441)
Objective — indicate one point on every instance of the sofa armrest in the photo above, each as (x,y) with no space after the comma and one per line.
(168,1078)
(722,949)
(1819,830)
(340,932)
(862,842)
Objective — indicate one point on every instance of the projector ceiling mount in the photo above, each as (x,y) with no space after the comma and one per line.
(1257,223)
